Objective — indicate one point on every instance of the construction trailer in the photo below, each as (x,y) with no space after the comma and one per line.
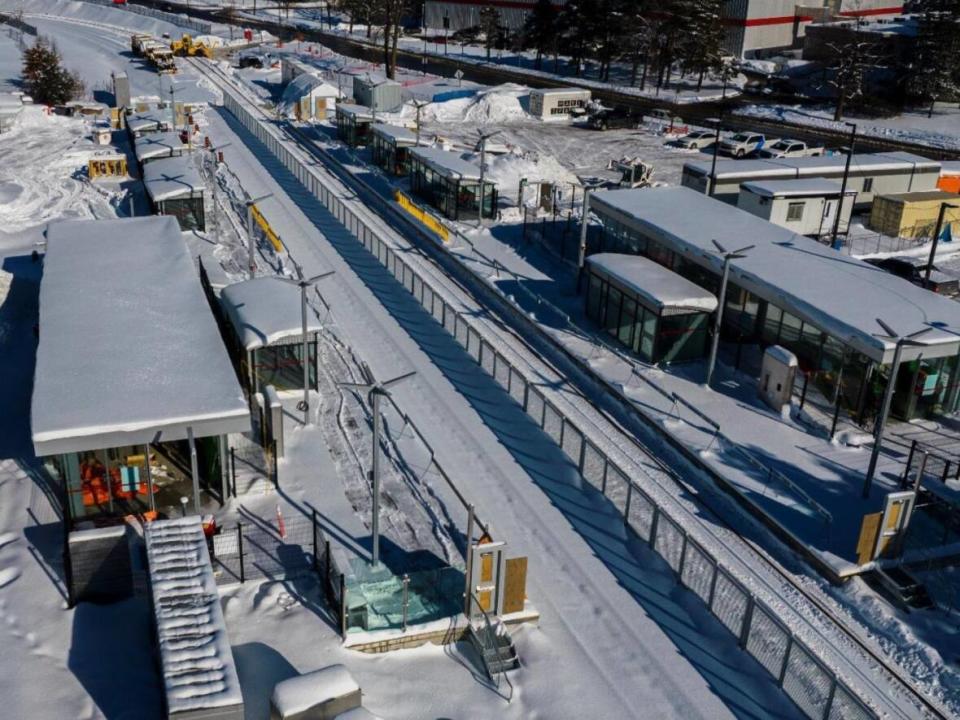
(174,187)
(354,124)
(808,207)
(870,174)
(558,103)
(950,176)
(914,215)
(451,184)
(309,97)
(149,121)
(795,292)
(391,148)
(377,93)
(156,146)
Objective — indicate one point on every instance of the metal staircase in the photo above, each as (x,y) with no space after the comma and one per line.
(493,643)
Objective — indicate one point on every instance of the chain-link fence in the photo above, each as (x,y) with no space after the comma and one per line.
(816,689)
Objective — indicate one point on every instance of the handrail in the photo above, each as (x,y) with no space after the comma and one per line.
(492,635)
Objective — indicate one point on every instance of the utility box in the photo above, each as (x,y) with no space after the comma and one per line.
(777,375)
(121,90)
(378,94)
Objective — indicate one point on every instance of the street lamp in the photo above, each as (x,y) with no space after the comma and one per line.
(252,265)
(483,162)
(419,105)
(843,185)
(716,152)
(902,341)
(375,391)
(303,284)
(936,239)
(727,257)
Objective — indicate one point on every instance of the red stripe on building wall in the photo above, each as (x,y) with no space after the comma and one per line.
(875,11)
(510,4)
(791,19)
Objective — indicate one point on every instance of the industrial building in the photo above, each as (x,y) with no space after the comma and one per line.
(133,390)
(391,148)
(915,214)
(793,291)
(268,334)
(558,103)
(870,174)
(451,184)
(808,207)
(174,187)
(753,27)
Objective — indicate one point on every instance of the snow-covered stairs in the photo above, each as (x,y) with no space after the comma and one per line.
(496,647)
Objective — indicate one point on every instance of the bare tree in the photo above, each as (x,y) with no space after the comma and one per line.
(854,55)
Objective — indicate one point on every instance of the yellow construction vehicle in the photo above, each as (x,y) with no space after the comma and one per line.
(186,46)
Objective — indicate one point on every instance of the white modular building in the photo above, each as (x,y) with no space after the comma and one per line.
(558,103)
(808,207)
(870,174)
(156,146)
(309,97)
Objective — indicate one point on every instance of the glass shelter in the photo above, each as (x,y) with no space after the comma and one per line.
(391,148)
(354,124)
(451,184)
(174,187)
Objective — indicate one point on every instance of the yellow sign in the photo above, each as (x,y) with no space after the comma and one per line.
(267,230)
(112,166)
(427,220)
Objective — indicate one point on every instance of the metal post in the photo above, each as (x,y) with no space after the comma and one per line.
(936,239)
(713,162)
(406,586)
(469,568)
(906,471)
(306,355)
(582,256)
(316,557)
(133,210)
(803,393)
(836,395)
(483,170)
(715,344)
(146,465)
(882,420)
(375,524)
(843,185)
(243,577)
(233,470)
(194,470)
(251,269)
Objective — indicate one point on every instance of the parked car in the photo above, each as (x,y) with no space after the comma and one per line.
(790,148)
(604,118)
(663,121)
(467,34)
(914,270)
(255,59)
(697,139)
(743,144)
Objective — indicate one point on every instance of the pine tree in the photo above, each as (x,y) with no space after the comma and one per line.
(703,52)
(540,30)
(45,79)
(490,27)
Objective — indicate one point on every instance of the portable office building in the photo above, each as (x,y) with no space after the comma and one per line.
(807,207)
(450,184)
(308,97)
(157,146)
(268,330)
(175,188)
(950,176)
(795,292)
(658,314)
(870,174)
(557,103)
(380,94)
(353,124)
(391,145)
(914,215)
(133,392)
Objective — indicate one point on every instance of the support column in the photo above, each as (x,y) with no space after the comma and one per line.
(194,470)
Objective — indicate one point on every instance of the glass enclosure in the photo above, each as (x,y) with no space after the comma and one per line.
(354,130)
(281,365)
(188,211)
(456,198)
(389,156)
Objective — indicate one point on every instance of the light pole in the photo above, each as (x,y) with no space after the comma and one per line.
(252,269)
(375,391)
(902,341)
(843,185)
(936,239)
(303,284)
(483,162)
(419,105)
(727,257)
(716,152)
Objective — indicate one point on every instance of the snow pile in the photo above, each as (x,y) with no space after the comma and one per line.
(508,170)
(198,668)
(301,693)
(497,105)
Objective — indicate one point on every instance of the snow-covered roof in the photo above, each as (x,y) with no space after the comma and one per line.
(359,112)
(158,145)
(812,166)
(658,288)
(149,120)
(803,187)
(923,196)
(358,714)
(841,295)
(129,351)
(170,178)
(950,167)
(446,163)
(264,310)
(301,693)
(399,135)
(375,81)
(561,91)
(303,85)
(199,674)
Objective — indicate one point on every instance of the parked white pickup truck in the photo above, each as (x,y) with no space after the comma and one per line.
(787,148)
(743,144)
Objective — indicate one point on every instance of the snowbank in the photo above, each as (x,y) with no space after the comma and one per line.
(508,170)
(301,693)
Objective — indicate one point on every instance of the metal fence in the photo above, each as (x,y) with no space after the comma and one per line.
(814,687)
(180,20)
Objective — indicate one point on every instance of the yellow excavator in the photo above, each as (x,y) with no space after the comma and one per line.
(186,47)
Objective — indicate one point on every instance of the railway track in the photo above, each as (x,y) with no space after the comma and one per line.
(776,579)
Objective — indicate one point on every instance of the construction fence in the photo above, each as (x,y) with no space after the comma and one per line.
(796,667)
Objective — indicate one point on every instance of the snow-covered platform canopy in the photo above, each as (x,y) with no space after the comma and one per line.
(659,288)
(158,145)
(172,178)
(815,166)
(810,187)
(840,295)
(148,121)
(395,134)
(448,164)
(265,310)
(199,676)
(129,351)
(357,112)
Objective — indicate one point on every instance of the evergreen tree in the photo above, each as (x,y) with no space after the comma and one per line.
(490,27)
(540,30)
(45,79)
(703,52)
